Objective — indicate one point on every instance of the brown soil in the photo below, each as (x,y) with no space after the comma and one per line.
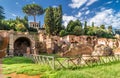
(14,75)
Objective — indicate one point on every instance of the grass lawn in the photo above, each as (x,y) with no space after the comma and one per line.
(21,65)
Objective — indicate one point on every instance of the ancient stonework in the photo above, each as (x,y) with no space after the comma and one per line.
(20,43)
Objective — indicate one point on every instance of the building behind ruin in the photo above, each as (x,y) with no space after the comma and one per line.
(34,25)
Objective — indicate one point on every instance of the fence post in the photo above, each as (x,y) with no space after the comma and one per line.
(53,63)
(68,62)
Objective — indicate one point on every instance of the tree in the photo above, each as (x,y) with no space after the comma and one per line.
(1,13)
(57,19)
(117,31)
(49,21)
(25,22)
(20,27)
(102,26)
(78,30)
(1,17)
(92,31)
(62,33)
(33,10)
(85,28)
(110,28)
(92,24)
(72,24)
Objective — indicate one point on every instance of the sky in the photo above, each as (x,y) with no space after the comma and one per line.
(98,11)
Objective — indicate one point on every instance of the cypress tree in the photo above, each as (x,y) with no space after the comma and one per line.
(85,28)
(57,19)
(49,21)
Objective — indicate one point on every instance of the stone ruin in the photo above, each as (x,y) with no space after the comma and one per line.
(4,39)
(70,45)
(62,45)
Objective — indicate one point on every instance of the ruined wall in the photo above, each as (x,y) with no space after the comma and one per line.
(15,36)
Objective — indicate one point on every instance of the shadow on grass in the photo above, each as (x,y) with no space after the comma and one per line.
(17,60)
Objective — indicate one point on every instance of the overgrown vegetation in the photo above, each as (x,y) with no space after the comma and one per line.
(21,65)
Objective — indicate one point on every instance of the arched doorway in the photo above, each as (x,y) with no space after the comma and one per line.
(22,45)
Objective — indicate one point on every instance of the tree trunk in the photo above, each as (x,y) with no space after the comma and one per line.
(34,18)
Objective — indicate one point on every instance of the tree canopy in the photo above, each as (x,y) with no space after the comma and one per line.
(77,28)
(49,21)
(33,10)
(53,20)
(1,13)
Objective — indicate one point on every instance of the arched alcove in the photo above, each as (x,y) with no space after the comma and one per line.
(22,45)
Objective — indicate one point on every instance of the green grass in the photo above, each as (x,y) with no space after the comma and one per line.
(22,65)
(17,60)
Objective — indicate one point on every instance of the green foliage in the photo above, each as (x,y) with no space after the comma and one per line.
(102,26)
(1,17)
(57,19)
(92,24)
(32,29)
(23,20)
(20,27)
(53,20)
(19,24)
(85,28)
(1,13)
(71,26)
(117,31)
(4,25)
(78,30)
(92,31)
(62,33)
(110,29)
(33,10)
(75,28)
(49,21)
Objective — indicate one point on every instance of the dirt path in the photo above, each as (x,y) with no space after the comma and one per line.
(14,75)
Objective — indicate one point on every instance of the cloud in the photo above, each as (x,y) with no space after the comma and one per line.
(33,2)
(67,18)
(109,2)
(54,6)
(117,1)
(107,17)
(102,8)
(85,8)
(87,12)
(91,2)
(77,3)
(14,15)
(16,3)
(78,15)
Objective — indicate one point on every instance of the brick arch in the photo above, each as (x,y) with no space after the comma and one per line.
(22,45)
(21,38)
(89,40)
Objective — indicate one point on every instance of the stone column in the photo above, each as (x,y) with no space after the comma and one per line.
(11,44)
